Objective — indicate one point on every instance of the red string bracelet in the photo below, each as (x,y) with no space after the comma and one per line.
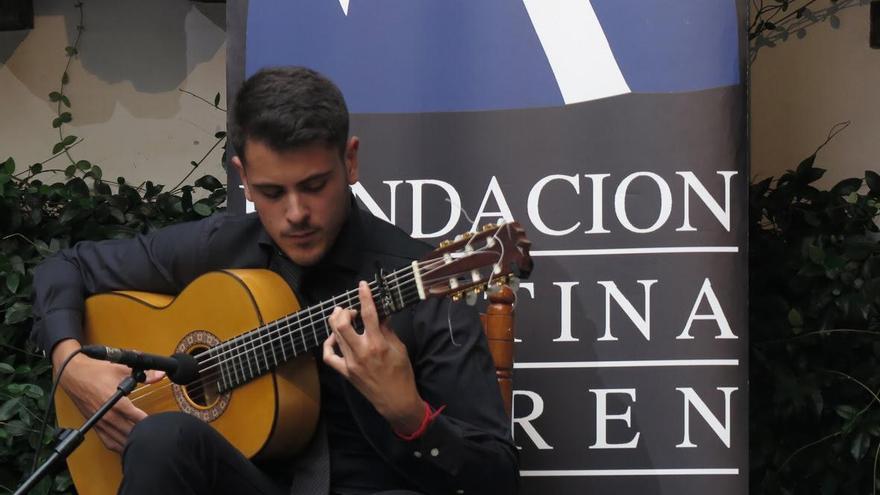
(426,420)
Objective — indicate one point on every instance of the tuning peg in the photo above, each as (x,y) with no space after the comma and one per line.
(456,297)
(513,283)
(471,298)
(488,226)
(494,289)
(445,243)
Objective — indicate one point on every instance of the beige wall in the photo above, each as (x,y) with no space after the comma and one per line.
(803,86)
(124,86)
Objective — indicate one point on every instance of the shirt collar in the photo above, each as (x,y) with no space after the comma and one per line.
(347,250)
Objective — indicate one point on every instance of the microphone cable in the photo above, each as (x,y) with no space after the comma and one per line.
(49,408)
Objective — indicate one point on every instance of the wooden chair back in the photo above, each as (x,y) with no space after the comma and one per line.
(498,324)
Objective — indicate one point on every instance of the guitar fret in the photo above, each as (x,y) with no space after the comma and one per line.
(281,342)
(314,326)
(257,346)
(271,343)
(290,335)
(263,348)
(326,322)
(244,354)
(235,367)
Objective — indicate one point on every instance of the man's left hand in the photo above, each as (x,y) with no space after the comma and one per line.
(376,363)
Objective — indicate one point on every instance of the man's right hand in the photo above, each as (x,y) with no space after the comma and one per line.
(90,382)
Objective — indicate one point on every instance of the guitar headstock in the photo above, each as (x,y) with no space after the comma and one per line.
(476,261)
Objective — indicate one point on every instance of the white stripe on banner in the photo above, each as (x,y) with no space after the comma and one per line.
(577,49)
(344,4)
(651,250)
(631,472)
(643,363)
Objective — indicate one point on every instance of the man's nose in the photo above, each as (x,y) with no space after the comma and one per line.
(297,211)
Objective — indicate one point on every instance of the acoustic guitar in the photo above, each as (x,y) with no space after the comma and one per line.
(258,383)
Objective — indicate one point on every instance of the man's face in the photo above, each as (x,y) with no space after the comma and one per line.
(301,196)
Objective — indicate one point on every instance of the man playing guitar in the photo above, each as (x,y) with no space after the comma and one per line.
(409,403)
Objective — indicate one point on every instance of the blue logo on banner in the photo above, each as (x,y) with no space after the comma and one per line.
(461,55)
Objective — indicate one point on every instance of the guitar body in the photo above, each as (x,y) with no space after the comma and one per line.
(273,414)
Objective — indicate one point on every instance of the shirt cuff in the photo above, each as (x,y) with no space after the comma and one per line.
(61,324)
(428,417)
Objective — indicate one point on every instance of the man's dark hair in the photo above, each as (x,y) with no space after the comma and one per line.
(288,108)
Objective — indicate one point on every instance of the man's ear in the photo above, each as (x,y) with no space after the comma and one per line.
(242,174)
(351,159)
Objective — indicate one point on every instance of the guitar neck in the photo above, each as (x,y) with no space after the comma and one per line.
(262,349)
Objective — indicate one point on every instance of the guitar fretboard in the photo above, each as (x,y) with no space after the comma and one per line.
(259,351)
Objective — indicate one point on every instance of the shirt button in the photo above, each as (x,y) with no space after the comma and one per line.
(417,454)
(435,452)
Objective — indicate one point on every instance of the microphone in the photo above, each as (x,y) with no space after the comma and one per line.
(181,368)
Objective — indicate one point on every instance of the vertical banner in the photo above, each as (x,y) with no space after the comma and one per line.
(615,132)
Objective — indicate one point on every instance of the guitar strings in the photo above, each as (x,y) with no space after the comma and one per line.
(196,387)
(301,338)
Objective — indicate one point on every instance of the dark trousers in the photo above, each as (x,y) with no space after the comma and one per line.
(177,454)
(174,453)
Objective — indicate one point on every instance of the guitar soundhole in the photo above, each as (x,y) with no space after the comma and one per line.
(202,398)
(203,392)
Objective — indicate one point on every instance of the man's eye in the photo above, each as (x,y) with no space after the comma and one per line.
(314,186)
(272,194)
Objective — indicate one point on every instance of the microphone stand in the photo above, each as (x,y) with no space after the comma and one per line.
(69,439)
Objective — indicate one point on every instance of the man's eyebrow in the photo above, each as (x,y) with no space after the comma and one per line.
(311,178)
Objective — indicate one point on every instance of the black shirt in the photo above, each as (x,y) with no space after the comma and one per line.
(467,449)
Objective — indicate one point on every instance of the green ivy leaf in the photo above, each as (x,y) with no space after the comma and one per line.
(12,281)
(847,186)
(117,215)
(16,428)
(220,135)
(68,215)
(8,166)
(70,171)
(36,168)
(805,165)
(10,408)
(872,179)
(845,411)
(65,78)
(17,313)
(860,445)
(6,368)
(101,187)
(62,482)
(33,391)
(54,96)
(202,209)
(795,319)
(70,51)
(56,123)
(17,263)
(65,100)
(216,100)
(83,164)
(208,182)
(66,117)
